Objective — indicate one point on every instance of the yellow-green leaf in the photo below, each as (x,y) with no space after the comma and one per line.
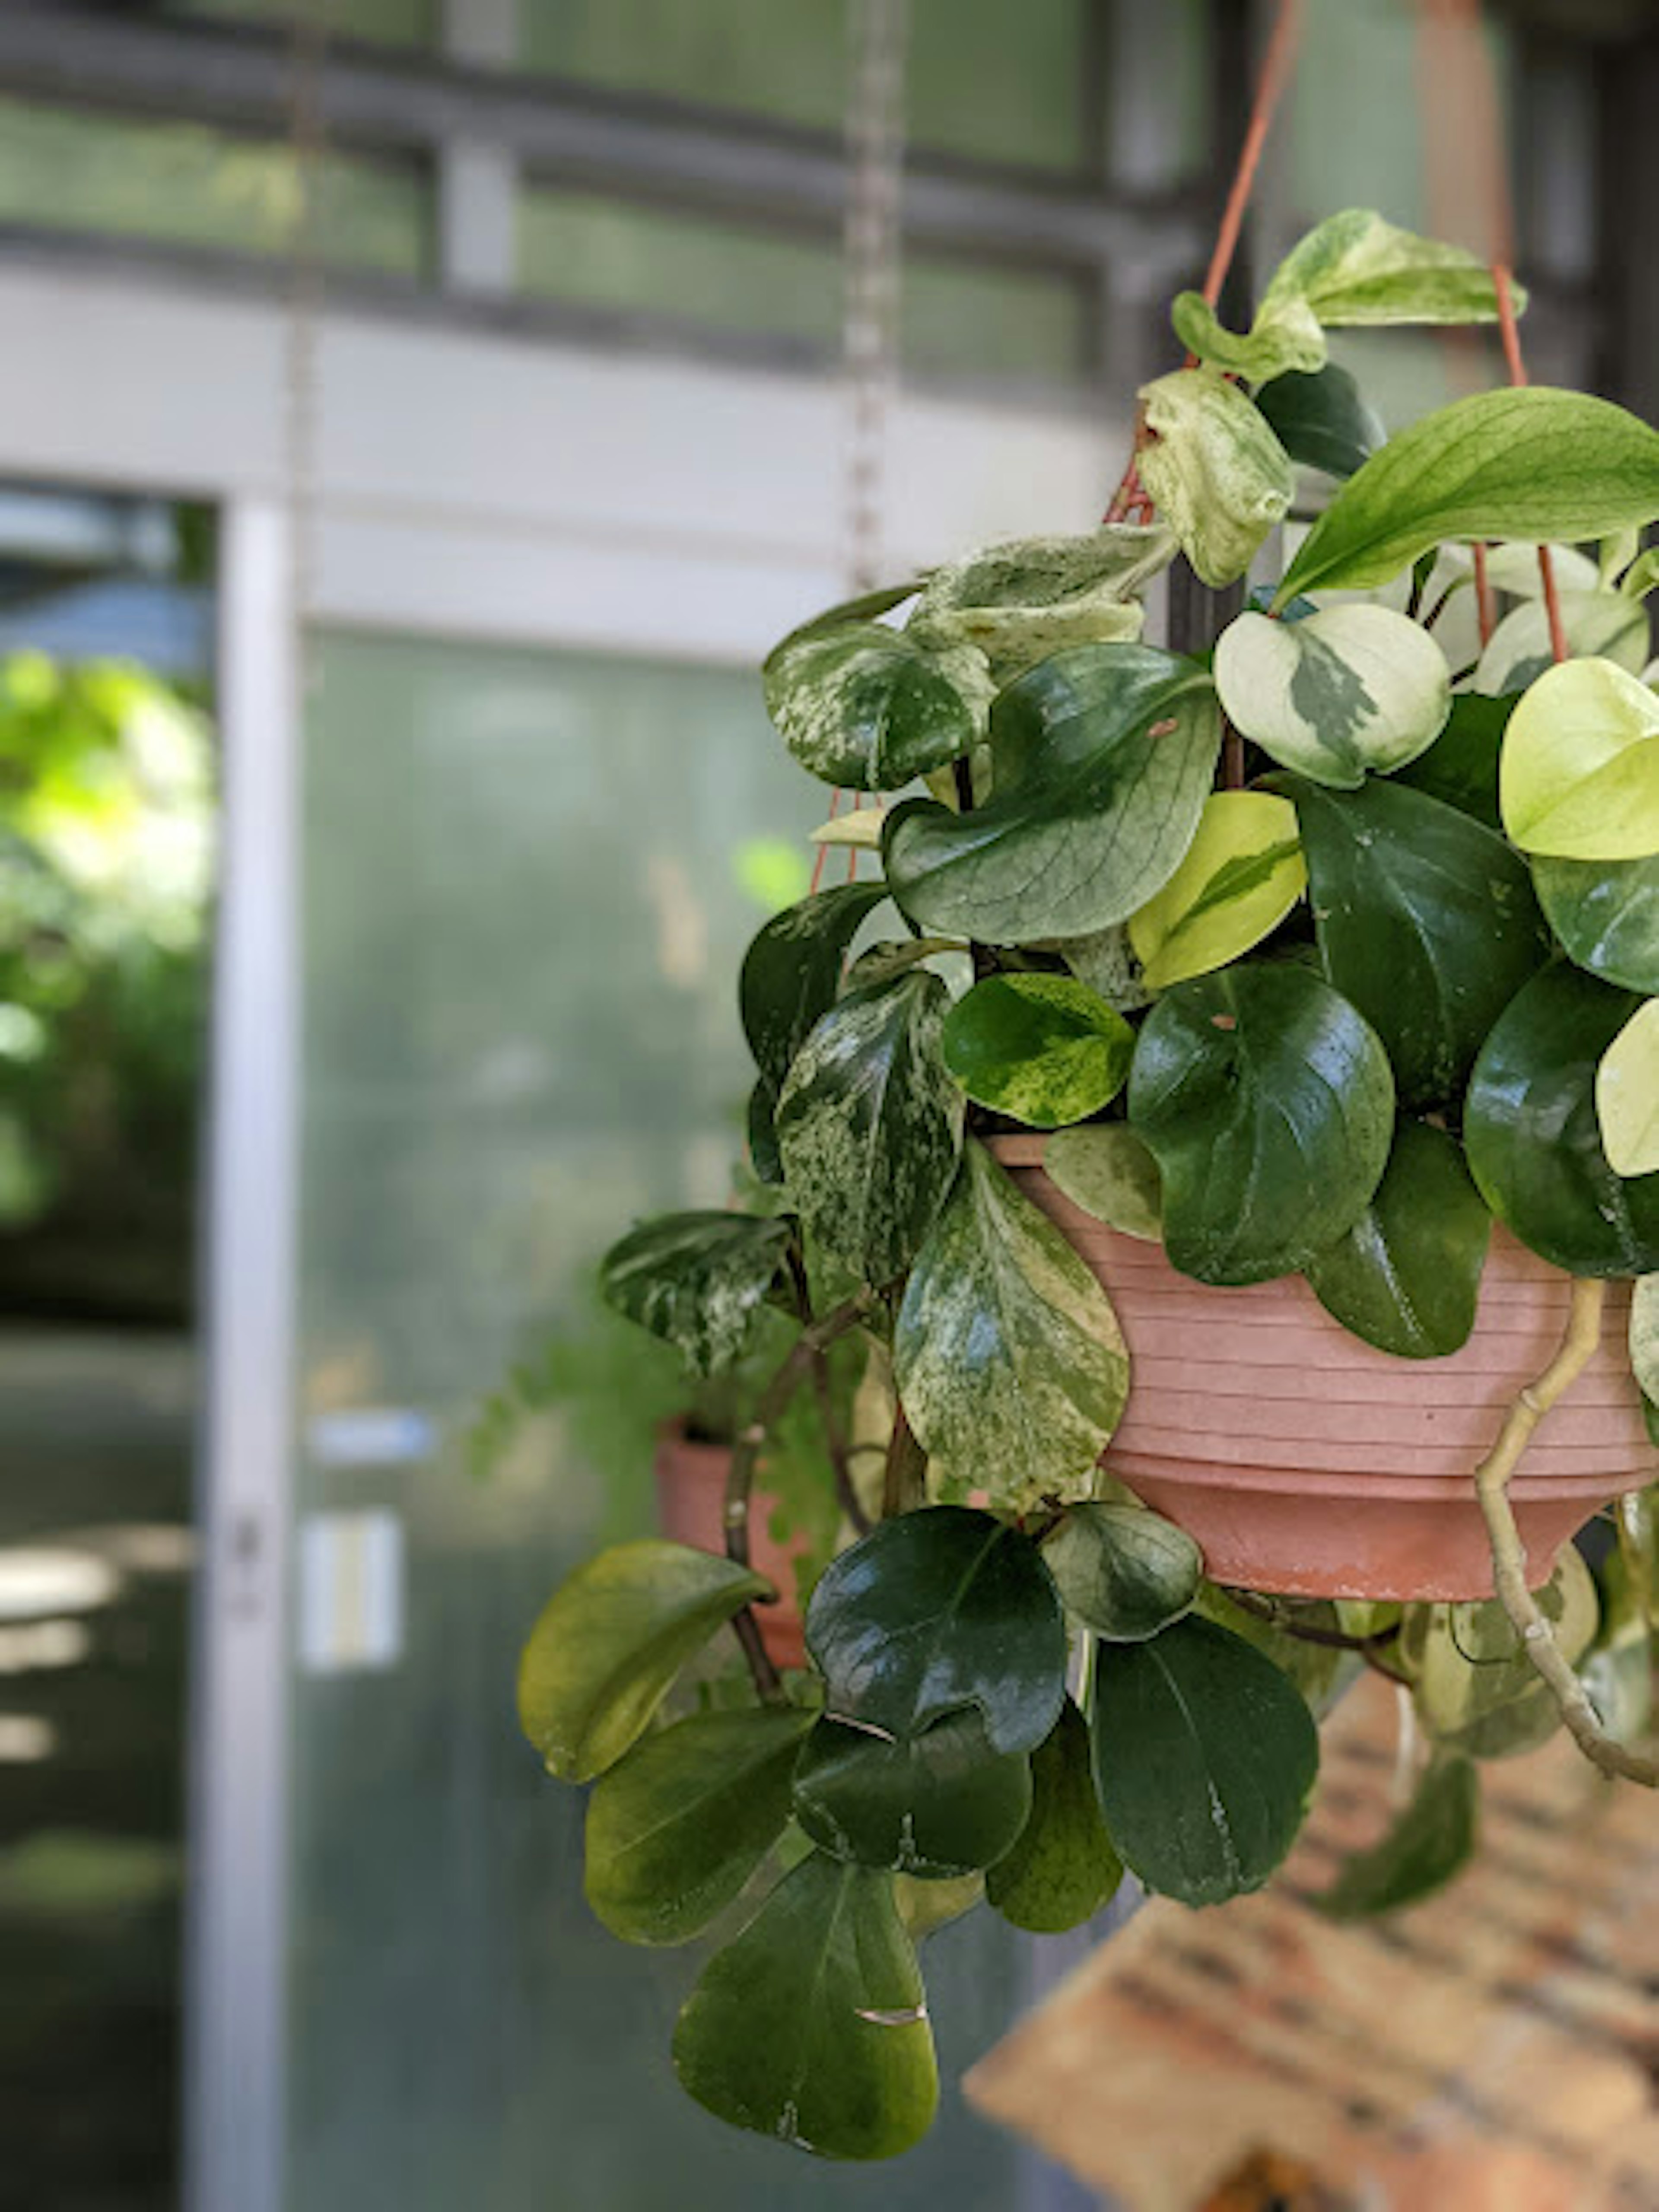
(1477,1690)
(1627,1095)
(1579,774)
(1242,873)
(1644,1335)
(1356,269)
(1111,1173)
(1043,1049)
(1220,477)
(610,1641)
(1350,690)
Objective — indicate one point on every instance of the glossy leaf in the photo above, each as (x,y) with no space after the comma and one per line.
(611,1640)
(1427,1846)
(1533,1138)
(696,1279)
(1205,1760)
(1476,1690)
(1407,1276)
(677,1829)
(791,974)
(1579,776)
(867,707)
(1123,1570)
(1528,462)
(1321,419)
(1267,1102)
(1348,689)
(1063,1869)
(941,1609)
(1596,622)
(1104,757)
(938,1803)
(1356,269)
(1606,913)
(1627,1095)
(1426,920)
(1009,1359)
(1042,1049)
(1107,1170)
(813,2026)
(870,1124)
(1644,1335)
(1460,767)
(1021,602)
(1241,875)
(1220,479)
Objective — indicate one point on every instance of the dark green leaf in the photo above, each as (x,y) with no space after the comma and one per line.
(868,708)
(1527,463)
(696,1279)
(812,2027)
(1122,1571)
(870,1124)
(1426,922)
(1461,766)
(1104,757)
(1321,419)
(1606,913)
(1063,1868)
(1009,1357)
(1267,1101)
(764,1156)
(1533,1140)
(941,1802)
(1204,1758)
(677,1829)
(1432,1841)
(937,1609)
(1407,1276)
(791,973)
(1316,1669)
(610,1641)
(1043,1049)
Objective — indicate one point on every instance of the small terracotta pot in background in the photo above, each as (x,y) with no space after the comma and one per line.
(691,1509)
(1305,1461)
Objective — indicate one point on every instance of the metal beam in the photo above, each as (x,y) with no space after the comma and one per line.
(240,75)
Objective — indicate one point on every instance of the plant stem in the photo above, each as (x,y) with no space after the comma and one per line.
(1329,1639)
(904,1485)
(834,1443)
(774,1401)
(1578,1345)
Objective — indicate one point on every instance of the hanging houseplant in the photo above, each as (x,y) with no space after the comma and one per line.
(1241,1133)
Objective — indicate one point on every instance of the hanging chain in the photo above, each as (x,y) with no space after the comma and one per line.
(874,265)
(308,143)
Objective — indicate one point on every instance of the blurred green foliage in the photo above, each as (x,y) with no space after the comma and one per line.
(106,818)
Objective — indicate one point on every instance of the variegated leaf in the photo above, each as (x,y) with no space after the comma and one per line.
(1043,1049)
(1595,622)
(1242,873)
(1220,476)
(1350,690)
(869,1125)
(867,706)
(1009,1359)
(697,1280)
(1020,602)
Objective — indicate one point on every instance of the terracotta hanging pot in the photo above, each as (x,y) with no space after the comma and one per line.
(1305,1462)
(690,1479)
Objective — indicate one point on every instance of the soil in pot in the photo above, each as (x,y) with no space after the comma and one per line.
(1305,1461)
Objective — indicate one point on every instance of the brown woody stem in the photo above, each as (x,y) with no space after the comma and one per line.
(1508,1558)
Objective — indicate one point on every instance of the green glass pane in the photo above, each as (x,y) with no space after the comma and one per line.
(389,22)
(528,880)
(959,317)
(193,186)
(987,80)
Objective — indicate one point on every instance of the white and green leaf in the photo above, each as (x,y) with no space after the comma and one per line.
(697,1279)
(1042,1049)
(1355,269)
(1352,689)
(1579,774)
(1220,477)
(1009,1359)
(1021,602)
(867,707)
(1595,623)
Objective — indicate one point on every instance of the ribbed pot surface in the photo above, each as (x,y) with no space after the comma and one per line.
(1306,1461)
